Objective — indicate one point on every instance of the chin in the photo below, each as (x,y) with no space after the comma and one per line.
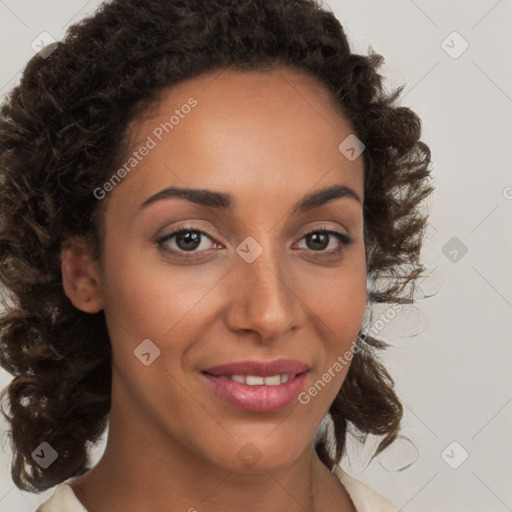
(262,453)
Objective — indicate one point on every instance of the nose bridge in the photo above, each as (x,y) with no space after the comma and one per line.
(264,300)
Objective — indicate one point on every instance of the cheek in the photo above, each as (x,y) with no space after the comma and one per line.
(338,299)
(342,304)
(147,297)
(150,297)
(338,307)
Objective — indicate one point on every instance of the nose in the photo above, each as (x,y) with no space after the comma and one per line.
(264,299)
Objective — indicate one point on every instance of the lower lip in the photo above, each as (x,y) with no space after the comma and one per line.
(257,398)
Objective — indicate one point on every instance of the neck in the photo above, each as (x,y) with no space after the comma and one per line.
(142,468)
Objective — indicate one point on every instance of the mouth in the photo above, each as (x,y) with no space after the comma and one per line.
(259,380)
(258,386)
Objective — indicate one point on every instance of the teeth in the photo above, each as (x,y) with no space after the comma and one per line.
(275,380)
(255,380)
(251,380)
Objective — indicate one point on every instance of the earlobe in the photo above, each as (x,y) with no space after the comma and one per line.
(80,276)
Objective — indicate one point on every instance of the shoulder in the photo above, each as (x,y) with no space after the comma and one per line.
(364,498)
(62,500)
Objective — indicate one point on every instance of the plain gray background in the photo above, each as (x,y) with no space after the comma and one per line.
(452,353)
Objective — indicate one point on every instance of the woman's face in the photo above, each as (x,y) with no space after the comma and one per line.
(220,333)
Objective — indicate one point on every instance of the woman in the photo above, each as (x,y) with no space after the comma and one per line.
(194,197)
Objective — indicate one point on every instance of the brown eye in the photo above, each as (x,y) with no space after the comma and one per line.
(186,242)
(318,241)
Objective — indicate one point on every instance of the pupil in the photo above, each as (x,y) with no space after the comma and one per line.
(191,239)
(319,237)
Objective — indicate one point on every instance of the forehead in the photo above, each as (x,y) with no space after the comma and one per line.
(274,131)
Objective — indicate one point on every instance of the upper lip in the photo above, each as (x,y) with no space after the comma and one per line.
(259,368)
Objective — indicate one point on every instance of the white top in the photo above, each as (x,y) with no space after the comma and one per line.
(364,498)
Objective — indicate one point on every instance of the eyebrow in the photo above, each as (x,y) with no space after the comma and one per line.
(225,201)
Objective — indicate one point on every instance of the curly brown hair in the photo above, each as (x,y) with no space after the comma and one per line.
(63,132)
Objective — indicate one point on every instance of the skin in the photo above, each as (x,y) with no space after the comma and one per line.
(268,139)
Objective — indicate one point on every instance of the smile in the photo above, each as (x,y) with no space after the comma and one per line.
(258,386)
(254,380)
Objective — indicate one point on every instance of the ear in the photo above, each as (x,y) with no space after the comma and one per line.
(81,276)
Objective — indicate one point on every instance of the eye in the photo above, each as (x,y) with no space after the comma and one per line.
(186,240)
(190,242)
(319,240)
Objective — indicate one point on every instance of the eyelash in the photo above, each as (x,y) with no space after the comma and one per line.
(344,240)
